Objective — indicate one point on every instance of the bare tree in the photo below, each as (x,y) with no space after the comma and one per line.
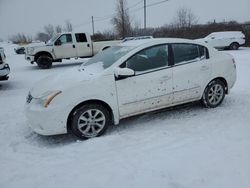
(58,29)
(68,26)
(121,20)
(49,30)
(20,38)
(42,37)
(185,18)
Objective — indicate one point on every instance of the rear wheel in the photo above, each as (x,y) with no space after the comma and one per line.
(234,46)
(214,94)
(44,62)
(90,120)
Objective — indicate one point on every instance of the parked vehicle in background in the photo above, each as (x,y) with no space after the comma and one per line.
(225,40)
(20,50)
(4,67)
(65,46)
(131,78)
(136,38)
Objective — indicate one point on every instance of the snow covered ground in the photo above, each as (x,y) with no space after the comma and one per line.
(187,147)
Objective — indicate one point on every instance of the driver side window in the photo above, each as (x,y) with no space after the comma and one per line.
(66,38)
(148,59)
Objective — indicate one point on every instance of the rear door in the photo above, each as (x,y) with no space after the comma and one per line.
(191,71)
(83,46)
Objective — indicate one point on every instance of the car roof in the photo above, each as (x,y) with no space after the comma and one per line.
(155,41)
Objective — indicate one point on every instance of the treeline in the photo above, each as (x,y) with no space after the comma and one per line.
(48,32)
(192,32)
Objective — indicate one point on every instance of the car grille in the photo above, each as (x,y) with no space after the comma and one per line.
(29,98)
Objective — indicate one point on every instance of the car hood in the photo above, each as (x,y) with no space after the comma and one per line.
(65,80)
(35,45)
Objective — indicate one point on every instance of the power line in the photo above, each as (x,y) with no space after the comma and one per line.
(129,8)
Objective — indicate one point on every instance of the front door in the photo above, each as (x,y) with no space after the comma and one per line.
(64,47)
(151,87)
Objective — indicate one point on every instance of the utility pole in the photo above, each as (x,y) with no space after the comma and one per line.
(93,26)
(145,15)
(123,20)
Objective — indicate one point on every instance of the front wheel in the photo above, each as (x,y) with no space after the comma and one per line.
(90,120)
(214,94)
(44,62)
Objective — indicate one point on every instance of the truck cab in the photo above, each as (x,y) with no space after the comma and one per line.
(65,46)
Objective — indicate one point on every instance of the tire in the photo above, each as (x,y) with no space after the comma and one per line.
(90,120)
(214,94)
(234,46)
(44,62)
(20,51)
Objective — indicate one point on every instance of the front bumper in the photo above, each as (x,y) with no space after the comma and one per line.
(30,58)
(4,71)
(46,121)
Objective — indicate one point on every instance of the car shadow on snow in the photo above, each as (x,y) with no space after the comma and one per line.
(144,121)
(147,121)
(7,85)
(54,66)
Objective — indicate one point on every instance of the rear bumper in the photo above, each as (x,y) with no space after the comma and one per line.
(4,71)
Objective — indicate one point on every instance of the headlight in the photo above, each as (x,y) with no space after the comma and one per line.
(47,97)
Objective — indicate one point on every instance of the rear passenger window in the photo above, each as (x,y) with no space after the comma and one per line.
(81,37)
(203,52)
(185,53)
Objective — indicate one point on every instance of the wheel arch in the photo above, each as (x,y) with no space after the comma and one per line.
(222,80)
(105,48)
(234,42)
(42,53)
(92,101)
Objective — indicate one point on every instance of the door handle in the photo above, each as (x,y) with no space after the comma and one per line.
(74,46)
(88,45)
(165,78)
(204,68)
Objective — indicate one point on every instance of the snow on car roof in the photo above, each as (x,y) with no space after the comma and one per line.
(136,43)
(227,33)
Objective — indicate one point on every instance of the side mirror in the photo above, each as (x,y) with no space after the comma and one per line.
(58,43)
(123,72)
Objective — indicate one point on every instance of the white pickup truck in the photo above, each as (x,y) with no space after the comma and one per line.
(65,46)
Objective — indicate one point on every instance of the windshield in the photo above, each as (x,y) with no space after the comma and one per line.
(108,57)
(53,38)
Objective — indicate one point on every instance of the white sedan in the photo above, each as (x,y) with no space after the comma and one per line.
(126,80)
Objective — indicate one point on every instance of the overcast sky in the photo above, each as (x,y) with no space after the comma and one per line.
(29,16)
